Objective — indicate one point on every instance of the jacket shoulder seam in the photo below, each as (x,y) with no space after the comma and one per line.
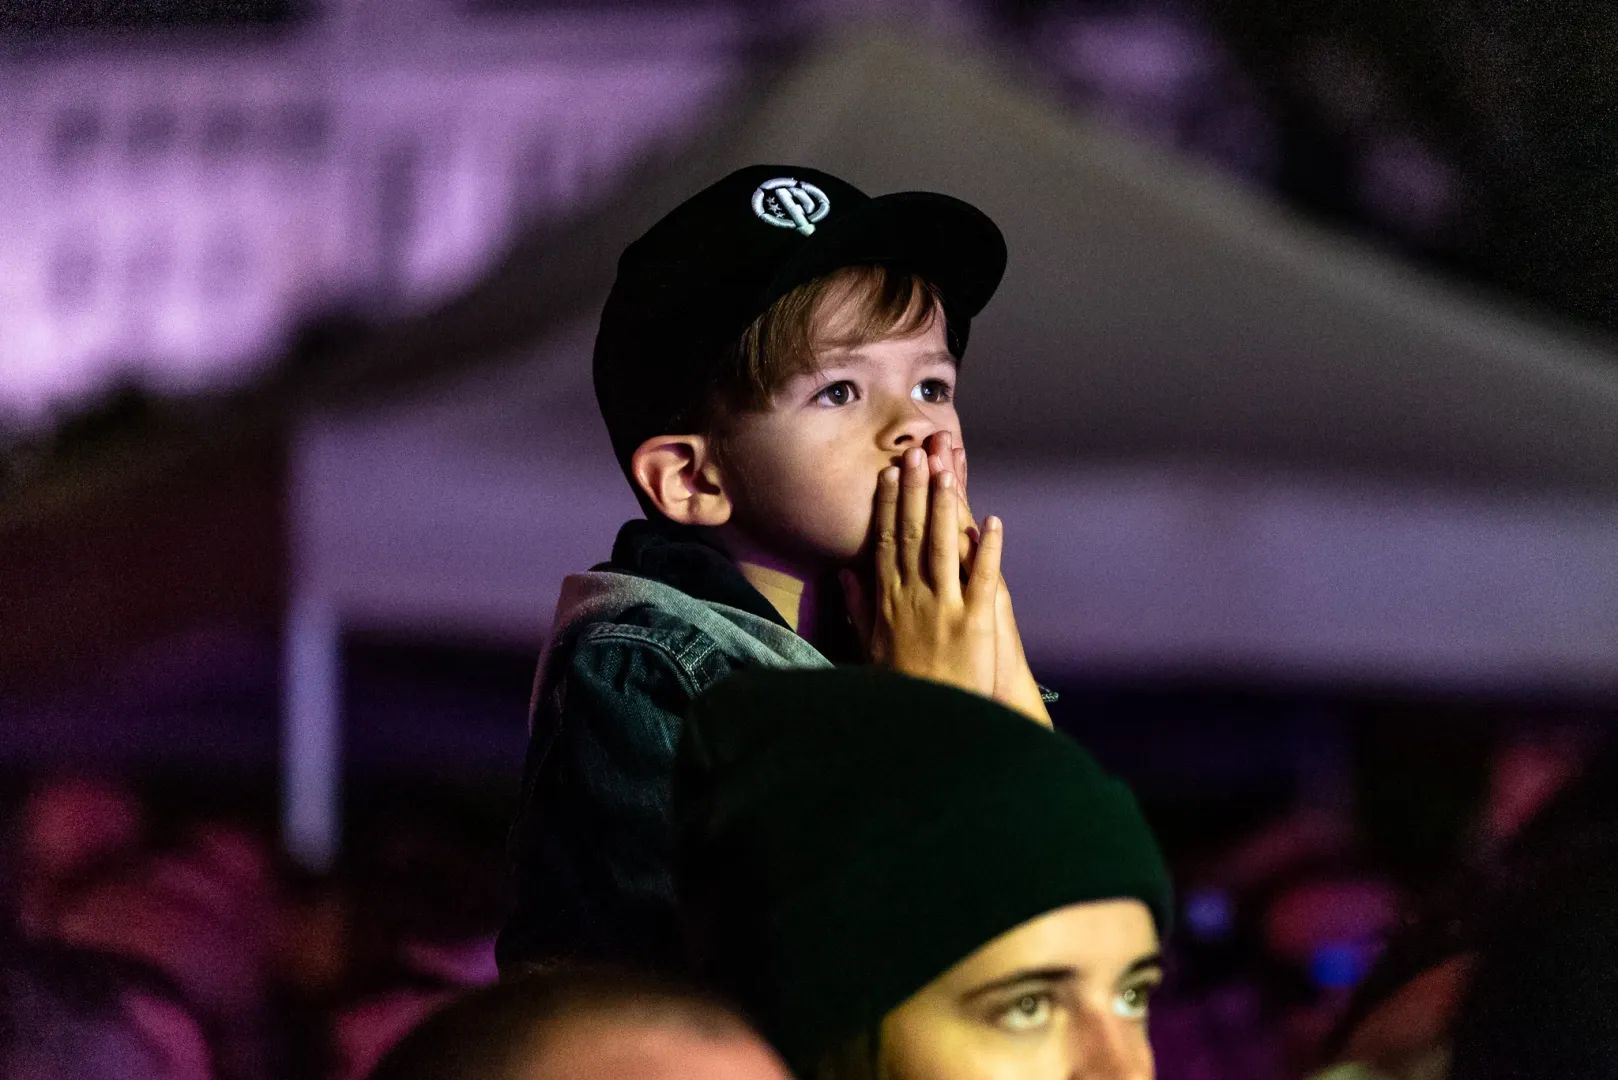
(680,660)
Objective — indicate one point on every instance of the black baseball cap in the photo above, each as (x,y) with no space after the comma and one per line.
(689,287)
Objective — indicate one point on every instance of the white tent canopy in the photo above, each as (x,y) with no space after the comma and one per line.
(1220,438)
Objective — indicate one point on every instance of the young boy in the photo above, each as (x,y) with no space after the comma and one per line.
(776,366)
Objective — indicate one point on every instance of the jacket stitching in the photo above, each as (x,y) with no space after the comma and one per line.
(618,633)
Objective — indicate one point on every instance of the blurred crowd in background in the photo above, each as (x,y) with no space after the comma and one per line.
(139,922)
(260,971)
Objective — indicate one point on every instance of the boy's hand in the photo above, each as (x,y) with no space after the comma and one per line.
(923,620)
(1014,683)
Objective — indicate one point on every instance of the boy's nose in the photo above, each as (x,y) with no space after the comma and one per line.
(908,426)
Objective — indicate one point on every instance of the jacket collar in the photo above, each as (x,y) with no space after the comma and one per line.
(684,557)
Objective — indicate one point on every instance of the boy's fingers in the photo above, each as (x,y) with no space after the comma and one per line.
(943,539)
(887,525)
(984,584)
(944,456)
(968,522)
(913,492)
(1008,621)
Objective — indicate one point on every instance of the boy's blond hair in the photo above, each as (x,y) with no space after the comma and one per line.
(781,343)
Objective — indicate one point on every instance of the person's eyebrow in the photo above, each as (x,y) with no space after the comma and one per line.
(1149,962)
(1145,963)
(1049,974)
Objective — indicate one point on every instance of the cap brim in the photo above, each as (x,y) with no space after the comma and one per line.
(950,243)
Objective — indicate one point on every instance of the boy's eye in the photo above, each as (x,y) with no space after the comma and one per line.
(836,395)
(933,391)
(1028,1013)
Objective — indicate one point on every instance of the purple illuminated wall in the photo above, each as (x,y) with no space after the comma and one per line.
(175,203)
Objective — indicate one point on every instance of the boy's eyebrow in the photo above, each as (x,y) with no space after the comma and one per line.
(854,356)
(844,356)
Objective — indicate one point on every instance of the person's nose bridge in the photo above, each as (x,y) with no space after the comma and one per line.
(1108,1047)
(905,423)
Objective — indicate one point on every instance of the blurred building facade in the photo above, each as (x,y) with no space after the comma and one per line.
(176,202)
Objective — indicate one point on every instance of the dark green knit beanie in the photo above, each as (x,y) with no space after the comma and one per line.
(846,836)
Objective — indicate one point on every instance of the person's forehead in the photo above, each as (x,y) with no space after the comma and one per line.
(1099,937)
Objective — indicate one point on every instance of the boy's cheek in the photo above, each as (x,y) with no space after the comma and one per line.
(862,524)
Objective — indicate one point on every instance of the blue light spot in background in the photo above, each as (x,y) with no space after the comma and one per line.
(1208,914)
(1339,965)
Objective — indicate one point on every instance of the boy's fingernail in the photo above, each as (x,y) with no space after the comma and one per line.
(914,456)
(889,475)
(946,480)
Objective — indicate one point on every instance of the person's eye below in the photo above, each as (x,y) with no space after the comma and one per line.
(1028,1013)
(1133,1002)
(933,391)
(836,395)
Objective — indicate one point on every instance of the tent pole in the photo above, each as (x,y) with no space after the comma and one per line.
(311,731)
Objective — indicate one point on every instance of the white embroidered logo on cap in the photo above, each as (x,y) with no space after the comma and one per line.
(789,204)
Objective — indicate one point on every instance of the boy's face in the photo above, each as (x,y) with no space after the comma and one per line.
(802,473)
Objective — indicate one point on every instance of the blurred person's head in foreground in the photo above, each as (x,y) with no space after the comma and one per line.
(581,1024)
(70,1014)
(901,879)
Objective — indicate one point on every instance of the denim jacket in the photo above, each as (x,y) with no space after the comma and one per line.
(634,642)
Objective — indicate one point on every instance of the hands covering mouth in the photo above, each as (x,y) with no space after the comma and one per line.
(935,605)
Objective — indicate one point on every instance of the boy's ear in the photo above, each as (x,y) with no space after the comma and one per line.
(680,476)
